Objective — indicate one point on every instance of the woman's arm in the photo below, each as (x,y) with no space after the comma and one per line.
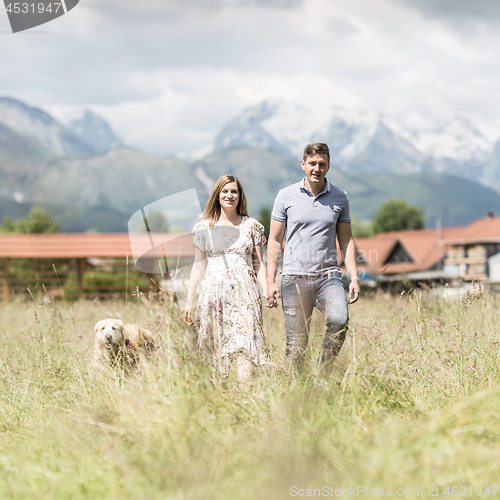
(260,268)
(197,272)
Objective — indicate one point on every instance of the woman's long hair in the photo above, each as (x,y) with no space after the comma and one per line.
(213,209)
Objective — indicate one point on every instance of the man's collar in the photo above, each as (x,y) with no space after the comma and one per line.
(326,189)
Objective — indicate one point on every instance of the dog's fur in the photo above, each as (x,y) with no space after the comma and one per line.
(121,345)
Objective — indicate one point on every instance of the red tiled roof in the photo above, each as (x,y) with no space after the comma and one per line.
(422,246)
(480,231)
(74,245)
(376,250)
(426,247)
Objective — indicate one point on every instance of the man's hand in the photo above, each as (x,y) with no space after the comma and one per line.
(273,294)
(353,291)
(276,233)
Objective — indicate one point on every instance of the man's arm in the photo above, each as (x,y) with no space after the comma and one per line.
(276,233)
(348,249)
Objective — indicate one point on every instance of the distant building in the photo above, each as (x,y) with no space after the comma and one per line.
(466,252)
(470,249)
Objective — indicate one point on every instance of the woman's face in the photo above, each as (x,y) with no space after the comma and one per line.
(229,196)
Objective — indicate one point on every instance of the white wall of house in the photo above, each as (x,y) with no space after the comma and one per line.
(451,270)
(494,267)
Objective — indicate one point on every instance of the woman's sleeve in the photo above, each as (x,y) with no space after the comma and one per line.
(199,236)
(258,235)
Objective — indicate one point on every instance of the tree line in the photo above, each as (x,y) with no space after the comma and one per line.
(392,215)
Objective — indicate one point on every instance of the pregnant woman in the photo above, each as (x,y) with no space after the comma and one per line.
(227,266)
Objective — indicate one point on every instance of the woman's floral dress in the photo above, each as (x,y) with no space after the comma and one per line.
(229,308)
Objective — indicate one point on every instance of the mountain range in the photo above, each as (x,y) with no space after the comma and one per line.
(83,136)
(361,141)
(83,174)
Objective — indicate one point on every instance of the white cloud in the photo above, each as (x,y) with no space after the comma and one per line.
(458,12)
(168,74)
(184,118)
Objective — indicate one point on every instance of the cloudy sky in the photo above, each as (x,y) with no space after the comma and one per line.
(167,74)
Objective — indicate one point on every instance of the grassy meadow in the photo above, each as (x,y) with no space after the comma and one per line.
(413,402)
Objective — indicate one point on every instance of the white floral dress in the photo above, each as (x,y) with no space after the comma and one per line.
(229,308)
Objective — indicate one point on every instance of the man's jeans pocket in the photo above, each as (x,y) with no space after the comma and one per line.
(287,280)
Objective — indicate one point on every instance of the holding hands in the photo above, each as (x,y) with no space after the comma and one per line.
(273,294)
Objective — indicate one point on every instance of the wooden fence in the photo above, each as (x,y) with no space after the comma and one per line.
(71,278)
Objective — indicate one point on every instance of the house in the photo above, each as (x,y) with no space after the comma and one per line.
(470,250)
(464,252)
(414,254)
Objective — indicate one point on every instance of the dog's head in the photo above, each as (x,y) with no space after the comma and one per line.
(110,333)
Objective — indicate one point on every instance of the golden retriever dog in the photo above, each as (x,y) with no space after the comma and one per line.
(121,345)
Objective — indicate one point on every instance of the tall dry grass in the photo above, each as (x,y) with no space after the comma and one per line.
(412,402)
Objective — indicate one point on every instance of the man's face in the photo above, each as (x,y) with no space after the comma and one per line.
(316,167)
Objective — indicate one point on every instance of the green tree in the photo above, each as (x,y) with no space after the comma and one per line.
(361,228)
(157,222)
(397,215)
(38,221)
(33,273)
(264,218)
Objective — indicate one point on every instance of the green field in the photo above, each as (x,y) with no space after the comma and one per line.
(413,403)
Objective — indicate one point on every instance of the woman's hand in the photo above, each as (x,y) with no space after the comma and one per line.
(197,272)
(187,316)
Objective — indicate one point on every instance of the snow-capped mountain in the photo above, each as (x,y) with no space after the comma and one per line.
(349,132)
(88,135)
(491,172)
(459,147)
(458,139)
(35,124)
(94,131)
(361,140)
(249,129)
(276,124)
(364,141)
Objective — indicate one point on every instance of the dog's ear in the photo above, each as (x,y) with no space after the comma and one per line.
(121,327)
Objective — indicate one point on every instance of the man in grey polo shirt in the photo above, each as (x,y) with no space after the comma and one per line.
(313,213)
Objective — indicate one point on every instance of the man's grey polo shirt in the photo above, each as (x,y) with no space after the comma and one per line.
(311,224)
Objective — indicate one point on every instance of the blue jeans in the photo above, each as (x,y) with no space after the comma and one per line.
(300,294)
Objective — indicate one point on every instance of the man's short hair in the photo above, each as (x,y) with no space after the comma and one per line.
(316,148)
